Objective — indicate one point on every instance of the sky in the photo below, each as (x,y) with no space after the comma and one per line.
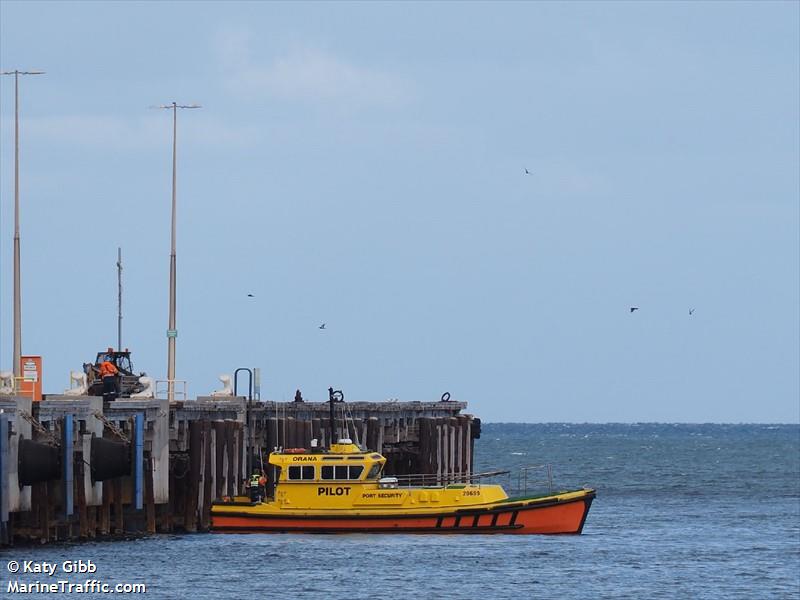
(363,165)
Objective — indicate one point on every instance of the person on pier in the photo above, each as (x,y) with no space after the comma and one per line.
(109,374)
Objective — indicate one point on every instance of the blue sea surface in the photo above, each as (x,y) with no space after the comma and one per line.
(682,511)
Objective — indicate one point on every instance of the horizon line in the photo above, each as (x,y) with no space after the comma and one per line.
(484,422)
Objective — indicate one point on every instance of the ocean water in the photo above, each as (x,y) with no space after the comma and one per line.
(682,511)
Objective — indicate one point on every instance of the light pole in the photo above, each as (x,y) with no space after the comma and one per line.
(172,331)
(17,291)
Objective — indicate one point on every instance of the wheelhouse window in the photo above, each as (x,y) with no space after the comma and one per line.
(342,472)
(298,473)
(374,471)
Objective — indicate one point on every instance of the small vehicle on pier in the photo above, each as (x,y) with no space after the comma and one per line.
(341,489)
(128,380)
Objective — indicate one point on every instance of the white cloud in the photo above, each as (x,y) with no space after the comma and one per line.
(307,74)
(124,133)
(93,130)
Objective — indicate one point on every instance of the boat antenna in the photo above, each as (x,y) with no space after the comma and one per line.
(119,299)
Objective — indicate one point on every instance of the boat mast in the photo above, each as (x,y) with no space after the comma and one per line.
(331,418)
(333,396)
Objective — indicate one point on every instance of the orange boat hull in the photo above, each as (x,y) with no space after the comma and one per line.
(522,518)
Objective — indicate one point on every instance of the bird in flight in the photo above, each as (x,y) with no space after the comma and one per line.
(633,308)
(527,172)
(691,311)
(322,326)
(250,296)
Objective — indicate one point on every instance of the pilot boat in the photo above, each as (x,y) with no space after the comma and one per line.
(341,489)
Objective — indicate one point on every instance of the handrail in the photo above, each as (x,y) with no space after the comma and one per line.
(16,386)
(526,478)
(434,479)
(176,392)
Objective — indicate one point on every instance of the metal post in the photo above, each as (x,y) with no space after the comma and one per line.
(249,416)
(172,331)
(119,299)
(67,466)
(17,288)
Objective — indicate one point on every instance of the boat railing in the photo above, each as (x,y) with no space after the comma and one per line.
(443,479)
(534,478)
(527,479)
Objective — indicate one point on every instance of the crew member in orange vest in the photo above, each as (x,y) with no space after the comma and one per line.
(108,373)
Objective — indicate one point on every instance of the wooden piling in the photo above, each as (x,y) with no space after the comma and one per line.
(149,498)
(272,433)
(282,434)
(316,431)
(169,511)
(354,431)
(471,450)
(91,521)
(219,458)
(241,446)
(230,457)
(80,495)
(105,510)
(451,434)
(289,428)
(119,523)
(303,429)
(193,487)
(44,506)
(294,431)
(270,442)
(373,424)
(439,450)
(445,430)
(205,515)
(464,445)
(425,445)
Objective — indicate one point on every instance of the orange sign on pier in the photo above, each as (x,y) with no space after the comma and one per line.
(31,384)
